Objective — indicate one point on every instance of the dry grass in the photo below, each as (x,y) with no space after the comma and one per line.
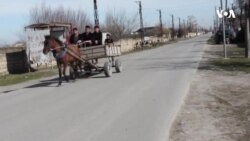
(12,79)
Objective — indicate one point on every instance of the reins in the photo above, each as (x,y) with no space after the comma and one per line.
(60,47)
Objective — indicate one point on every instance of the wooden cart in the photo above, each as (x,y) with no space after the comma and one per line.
(110,52)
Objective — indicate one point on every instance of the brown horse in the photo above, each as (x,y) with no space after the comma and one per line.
(64,55)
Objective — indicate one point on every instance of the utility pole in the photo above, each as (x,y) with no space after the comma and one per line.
(96,13)
(247,17)
(161,26)
(173,31)
(216,24)
(225,19)
(224,32)
(179,23)
(184,26)
(226,5)
(141,21)
(224,37)
(179,30)
(221,8)
(221,4)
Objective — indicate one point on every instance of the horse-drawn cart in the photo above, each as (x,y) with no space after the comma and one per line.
(108,52)
(82,58)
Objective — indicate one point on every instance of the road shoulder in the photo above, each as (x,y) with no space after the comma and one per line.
(217,107)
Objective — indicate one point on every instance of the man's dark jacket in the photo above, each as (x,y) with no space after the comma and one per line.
(97,36)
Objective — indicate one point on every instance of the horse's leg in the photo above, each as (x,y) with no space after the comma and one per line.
(79,65)
(60,74)
(73,69)
(76,67)
(65,66)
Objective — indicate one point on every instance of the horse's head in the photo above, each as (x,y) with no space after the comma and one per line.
(50,44)
(47,45)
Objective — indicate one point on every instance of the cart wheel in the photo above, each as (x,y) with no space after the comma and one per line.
(72,74)
(118,66)
(88,70)
(108,69)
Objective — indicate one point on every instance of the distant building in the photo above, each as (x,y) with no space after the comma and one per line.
(148,31)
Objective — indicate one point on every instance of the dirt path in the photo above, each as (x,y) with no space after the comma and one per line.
(217,107)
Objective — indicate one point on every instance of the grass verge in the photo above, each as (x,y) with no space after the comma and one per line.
(233,64)
(236,60)
(12,79)
(211,40)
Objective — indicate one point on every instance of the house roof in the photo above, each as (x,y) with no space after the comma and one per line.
(48,25)
(146,28)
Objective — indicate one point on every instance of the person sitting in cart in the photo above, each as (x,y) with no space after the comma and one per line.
(97,36)
(108,40)
(74,38)
(96,39)
(86,37)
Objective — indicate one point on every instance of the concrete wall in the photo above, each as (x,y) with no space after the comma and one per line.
(3,64)
(128,45)
(193,34)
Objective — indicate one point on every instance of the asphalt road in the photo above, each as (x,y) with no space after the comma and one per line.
(136,105)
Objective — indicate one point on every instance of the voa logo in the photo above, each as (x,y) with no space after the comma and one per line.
(226,13)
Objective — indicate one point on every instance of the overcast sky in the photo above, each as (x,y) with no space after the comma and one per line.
(14,14)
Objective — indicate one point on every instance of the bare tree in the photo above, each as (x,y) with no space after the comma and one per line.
(45,14)
(239,22)
(191,24)
(119,24)
(157,32)
(239,10)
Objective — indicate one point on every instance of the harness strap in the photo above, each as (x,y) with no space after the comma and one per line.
(57,48)
(60,55)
